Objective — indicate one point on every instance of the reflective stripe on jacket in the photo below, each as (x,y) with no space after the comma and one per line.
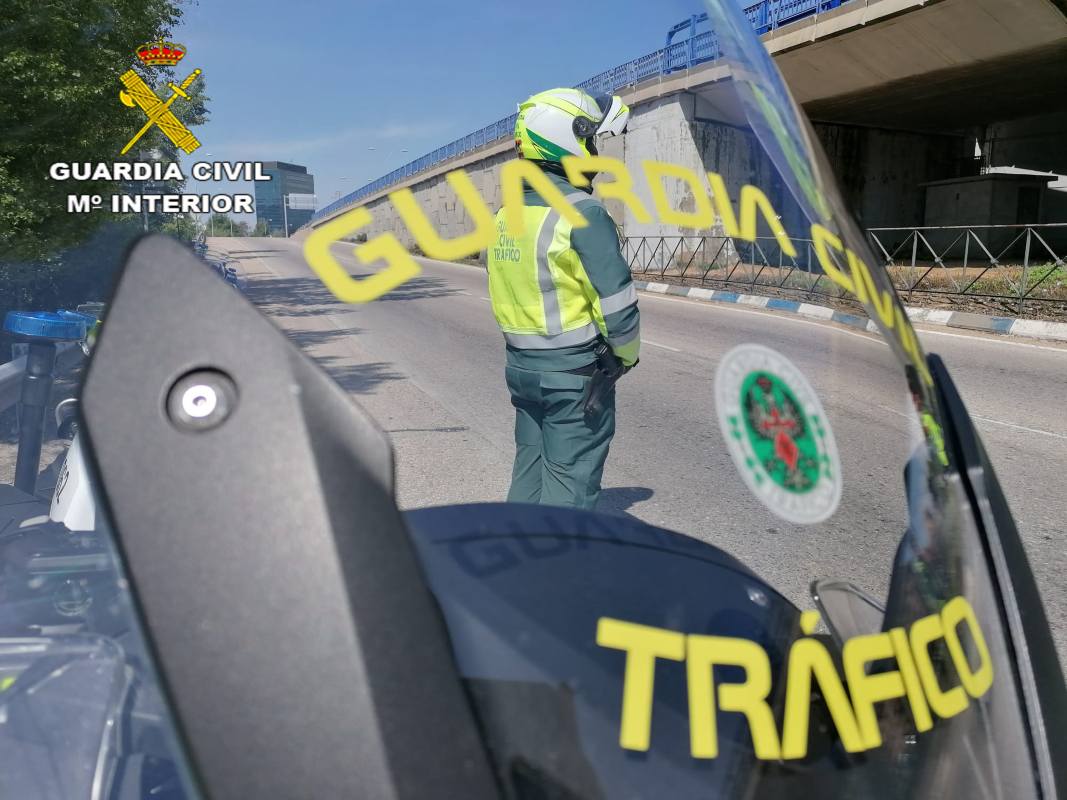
(549,292)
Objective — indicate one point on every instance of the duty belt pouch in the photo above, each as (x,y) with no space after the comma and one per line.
(608,370)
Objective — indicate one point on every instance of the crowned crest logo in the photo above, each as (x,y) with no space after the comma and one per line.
(777,434)
(138,93)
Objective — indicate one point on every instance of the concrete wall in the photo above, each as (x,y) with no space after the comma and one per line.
(663,130)
(881,172)
(1038,142)
(439,202)
(672,130)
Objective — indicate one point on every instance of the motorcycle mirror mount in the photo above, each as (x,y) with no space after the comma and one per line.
(268,537)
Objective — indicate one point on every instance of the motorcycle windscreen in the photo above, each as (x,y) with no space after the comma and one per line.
(83,711)
(782,378)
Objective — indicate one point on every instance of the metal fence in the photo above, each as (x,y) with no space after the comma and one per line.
(11,382)
(1013,264)
(1009,266)
(700,47)
(727,261)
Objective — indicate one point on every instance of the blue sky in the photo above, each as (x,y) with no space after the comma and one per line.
(321,83)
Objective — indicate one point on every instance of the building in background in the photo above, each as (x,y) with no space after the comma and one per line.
(286,179)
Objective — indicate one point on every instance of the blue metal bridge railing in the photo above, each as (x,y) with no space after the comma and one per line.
(699,47)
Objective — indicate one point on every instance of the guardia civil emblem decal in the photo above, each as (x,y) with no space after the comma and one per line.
(778,434)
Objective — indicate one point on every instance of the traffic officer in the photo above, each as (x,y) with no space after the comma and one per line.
(559,293)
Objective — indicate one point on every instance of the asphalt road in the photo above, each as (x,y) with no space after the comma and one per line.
(426,361)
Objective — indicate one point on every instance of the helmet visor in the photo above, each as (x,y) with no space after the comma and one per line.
(616,115)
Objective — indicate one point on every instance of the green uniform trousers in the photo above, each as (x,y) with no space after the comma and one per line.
(559,450)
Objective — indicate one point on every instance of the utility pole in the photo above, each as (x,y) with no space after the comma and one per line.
(285,214)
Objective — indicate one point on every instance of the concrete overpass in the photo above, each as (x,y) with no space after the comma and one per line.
(898,90)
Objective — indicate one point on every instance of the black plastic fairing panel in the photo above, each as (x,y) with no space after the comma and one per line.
(1039,671)
(301,649)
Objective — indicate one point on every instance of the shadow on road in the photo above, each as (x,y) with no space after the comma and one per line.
(291,297)
(306,297)
(619,499)
(421,288)
(359,378)
(309,340)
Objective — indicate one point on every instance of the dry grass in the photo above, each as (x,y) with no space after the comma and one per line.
(991,291)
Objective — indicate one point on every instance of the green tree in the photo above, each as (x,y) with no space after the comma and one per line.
(60,64)
(182,226)
(59,67)
(224,225)
(221,225)
(261,229)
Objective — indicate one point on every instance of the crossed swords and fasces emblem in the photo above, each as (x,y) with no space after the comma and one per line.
(781,425)
(137,92)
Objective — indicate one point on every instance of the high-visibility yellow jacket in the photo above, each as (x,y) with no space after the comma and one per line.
(557,289)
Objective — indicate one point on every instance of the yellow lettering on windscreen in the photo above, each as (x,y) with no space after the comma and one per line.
(423,231)
(711,205)
(400,266)
(749,697)
(892,666)
(643,645)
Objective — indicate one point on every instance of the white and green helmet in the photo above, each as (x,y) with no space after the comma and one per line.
(566,122)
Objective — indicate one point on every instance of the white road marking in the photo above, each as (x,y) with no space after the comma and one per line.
(987,340)
(486,299)
(783,317)
(664,346)
(786,317)
(990,420)
(878,339)
(894,411)
(1019,427)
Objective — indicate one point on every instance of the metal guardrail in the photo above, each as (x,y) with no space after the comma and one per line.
(11,373)
(1008,264)
(699,48)
(726,261)
(1016,263)
(11,382)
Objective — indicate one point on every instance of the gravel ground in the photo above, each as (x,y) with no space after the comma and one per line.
(1055,311)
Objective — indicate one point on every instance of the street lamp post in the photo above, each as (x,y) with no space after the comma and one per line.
(297,202)
(147,155)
